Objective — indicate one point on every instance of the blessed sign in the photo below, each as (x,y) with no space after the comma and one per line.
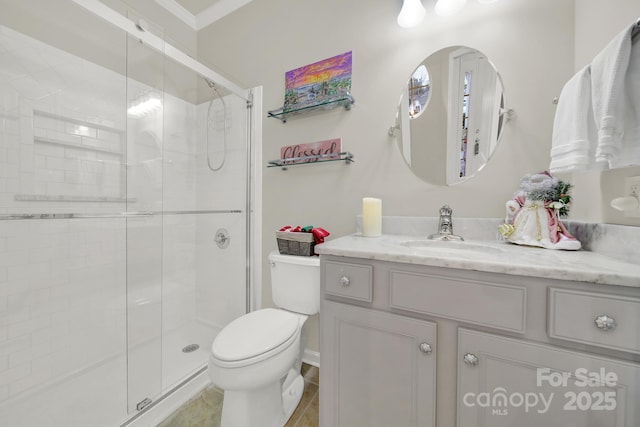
(312,152)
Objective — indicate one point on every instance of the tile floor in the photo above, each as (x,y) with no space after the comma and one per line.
(205,409)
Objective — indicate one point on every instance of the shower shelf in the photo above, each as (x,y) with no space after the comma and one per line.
(79,122)
(345,156)
(283,113)
(69,132)
(70,198)
(43,140)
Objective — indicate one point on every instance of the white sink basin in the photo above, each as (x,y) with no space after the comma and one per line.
(452,246)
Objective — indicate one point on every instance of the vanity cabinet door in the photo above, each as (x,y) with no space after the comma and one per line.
(505,382)
(378,369)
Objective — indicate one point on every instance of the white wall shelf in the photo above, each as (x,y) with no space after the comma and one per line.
(286,111)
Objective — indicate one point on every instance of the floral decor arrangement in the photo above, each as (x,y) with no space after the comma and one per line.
(533,214)
(553,192)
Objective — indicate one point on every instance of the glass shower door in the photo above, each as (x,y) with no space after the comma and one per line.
(112,284)
(144,219)
(62,237)
(204,218)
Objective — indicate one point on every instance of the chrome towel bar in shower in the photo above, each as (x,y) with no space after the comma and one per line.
(26,216)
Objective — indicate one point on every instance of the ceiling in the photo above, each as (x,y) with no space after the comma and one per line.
(196,6)
(200,13)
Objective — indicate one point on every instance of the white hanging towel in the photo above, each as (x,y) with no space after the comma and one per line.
(630,149)
(608,95)
(574,137)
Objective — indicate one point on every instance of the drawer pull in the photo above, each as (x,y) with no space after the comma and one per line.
(345,281)
(605,322)
(425,348)
(471,359)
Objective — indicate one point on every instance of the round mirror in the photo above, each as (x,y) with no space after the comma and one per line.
(450,116)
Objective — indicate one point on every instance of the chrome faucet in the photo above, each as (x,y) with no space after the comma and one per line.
(445,226)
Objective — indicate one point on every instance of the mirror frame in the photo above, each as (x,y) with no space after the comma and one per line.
(442,111)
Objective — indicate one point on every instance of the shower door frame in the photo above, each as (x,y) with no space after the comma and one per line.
(173,398)
(169,399)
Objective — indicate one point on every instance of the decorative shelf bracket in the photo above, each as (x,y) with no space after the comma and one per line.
(345,156)
(281,114)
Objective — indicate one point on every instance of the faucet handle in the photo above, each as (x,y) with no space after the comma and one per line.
(445,226)
(446,211)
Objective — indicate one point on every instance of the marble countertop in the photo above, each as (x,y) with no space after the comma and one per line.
(490,256)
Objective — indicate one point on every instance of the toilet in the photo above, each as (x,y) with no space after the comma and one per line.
(256,359)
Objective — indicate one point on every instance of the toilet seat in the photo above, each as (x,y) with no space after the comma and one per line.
(254,337)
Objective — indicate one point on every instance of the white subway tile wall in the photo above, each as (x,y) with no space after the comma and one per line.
(63,299)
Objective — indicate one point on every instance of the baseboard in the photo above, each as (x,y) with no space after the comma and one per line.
(311,357)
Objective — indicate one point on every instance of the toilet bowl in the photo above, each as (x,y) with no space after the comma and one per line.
(256,359)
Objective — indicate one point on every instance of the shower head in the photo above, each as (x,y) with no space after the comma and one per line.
(216,88)
(211,84)
(142,25)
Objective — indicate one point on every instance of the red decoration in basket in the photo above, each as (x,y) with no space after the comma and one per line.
(318,233)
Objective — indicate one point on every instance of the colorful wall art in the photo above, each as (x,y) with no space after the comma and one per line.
(318,83)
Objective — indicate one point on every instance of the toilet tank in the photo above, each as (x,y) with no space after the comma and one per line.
(295,282)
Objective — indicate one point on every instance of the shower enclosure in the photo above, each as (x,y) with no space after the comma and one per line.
(125,216)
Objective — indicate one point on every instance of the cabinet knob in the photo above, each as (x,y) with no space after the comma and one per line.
(605,322)
(345,281)
(425,348)
(470,359)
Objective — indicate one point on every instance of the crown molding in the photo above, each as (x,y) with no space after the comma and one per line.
(179,12)
(216,11)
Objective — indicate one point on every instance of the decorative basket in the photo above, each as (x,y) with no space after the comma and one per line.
(292,243)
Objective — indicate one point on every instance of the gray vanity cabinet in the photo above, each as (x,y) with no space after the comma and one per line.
(378,368)
(512,351)
(382,369)
(506,382)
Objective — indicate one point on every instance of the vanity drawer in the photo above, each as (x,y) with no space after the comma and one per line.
(348,280)
(602,320)
(496,305)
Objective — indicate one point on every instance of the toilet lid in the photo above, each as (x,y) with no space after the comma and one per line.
(254,333)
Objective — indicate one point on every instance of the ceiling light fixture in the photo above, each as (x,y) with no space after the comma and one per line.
(412,13)
(449,7)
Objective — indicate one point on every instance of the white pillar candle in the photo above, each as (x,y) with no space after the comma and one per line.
(371,217)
